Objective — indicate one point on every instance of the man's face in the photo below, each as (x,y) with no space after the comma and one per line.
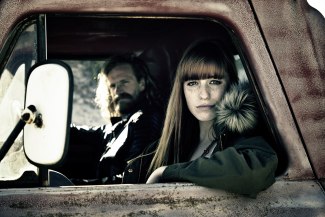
(124,88)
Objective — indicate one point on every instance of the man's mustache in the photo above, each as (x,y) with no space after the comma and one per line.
(122,96)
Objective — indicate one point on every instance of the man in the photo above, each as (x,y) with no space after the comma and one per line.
(128,97)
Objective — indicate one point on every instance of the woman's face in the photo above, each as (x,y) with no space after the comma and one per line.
(202,95)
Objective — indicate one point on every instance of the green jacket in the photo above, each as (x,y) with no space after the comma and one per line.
(247,168)
(243,162)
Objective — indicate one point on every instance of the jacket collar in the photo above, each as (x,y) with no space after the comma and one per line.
(237,112)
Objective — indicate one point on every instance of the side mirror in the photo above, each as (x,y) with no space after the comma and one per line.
(49,89)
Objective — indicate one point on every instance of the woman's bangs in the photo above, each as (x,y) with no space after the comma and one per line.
(202,70)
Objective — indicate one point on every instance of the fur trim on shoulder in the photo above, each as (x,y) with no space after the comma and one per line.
(237,111)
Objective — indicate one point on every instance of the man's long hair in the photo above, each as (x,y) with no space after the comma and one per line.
(180,134)
(104,98)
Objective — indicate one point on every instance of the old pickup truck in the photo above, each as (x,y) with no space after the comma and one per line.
(50,53)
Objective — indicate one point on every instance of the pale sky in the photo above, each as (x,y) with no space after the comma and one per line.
(319,5)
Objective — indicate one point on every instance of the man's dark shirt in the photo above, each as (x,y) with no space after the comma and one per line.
(102,152)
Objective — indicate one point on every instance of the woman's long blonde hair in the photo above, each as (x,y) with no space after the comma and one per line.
(205,59)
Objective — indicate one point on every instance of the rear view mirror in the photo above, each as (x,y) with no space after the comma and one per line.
(49,89)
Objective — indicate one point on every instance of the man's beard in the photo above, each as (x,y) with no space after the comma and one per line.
(125,103)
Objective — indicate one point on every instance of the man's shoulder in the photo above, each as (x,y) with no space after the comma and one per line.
(152,111)
(145,118)
(153,114)
(135,116)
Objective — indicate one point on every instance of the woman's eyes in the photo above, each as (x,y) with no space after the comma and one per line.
(215,81)
(196,82)
(192,83)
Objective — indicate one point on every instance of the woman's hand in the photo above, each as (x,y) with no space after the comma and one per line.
(156,175)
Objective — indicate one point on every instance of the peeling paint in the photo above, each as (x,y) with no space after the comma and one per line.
(283,198)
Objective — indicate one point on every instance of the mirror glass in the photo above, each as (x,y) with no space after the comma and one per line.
(49,89)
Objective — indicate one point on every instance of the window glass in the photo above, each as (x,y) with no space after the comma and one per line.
(12,97)
(84,42)
(84,109)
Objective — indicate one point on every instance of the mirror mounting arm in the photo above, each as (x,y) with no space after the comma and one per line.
(29,116)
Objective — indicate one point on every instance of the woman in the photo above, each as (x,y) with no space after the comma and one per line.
(209,131)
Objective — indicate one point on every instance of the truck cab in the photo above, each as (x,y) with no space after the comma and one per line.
(51,53)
